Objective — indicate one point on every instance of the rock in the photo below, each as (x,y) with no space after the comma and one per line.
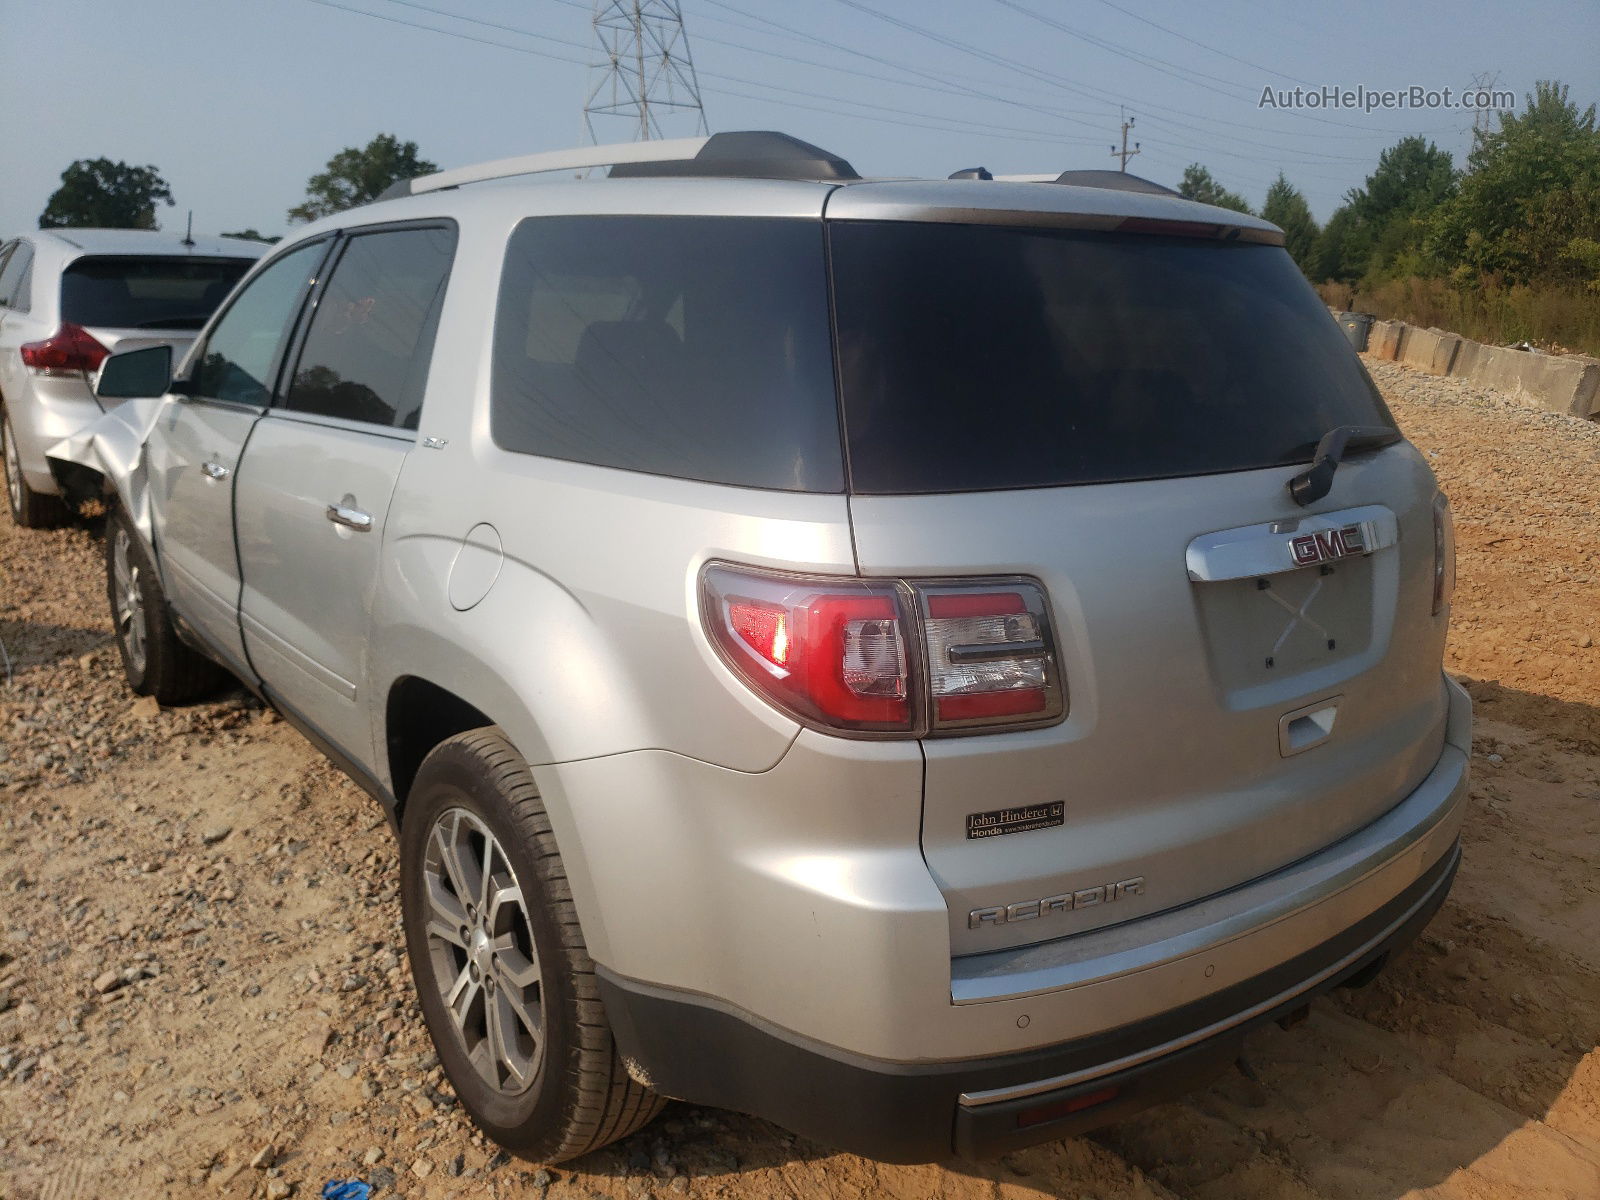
(542,1178)
(279,1189)
(456,1165)
(215,834)
(145,708)
(422,1168)
(264,1157)
(107,981)
(372,1157)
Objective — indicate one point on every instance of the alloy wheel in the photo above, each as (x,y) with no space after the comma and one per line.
(128,605)
(484,962)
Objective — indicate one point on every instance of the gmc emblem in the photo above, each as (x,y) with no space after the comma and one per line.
(1326,545)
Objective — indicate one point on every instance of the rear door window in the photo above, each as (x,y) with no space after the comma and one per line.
(695,347)
(369,343)
(983,357)
(125,292)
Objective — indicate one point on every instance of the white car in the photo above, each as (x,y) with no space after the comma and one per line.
(69,298)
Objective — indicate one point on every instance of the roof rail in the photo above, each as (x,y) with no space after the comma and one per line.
(755,155)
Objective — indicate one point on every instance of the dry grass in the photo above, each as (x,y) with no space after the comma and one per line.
(1553,318)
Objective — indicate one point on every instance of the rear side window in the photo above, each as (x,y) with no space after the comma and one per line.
(13,263)
(695,347)
(979,357)
(147,293)
(367,350)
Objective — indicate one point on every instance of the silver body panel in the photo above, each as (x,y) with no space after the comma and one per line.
(309,582)
(817,884)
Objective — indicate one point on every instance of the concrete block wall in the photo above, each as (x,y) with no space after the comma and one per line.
(1563,383)
(1384,340)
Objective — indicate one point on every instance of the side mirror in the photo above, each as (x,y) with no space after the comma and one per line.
(135,373)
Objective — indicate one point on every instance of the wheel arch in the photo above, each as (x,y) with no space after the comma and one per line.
(419,715)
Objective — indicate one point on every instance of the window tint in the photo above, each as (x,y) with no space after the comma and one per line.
(976,357)
(367,350)
(237,362)
(147,293)
(20,258)
(689,346)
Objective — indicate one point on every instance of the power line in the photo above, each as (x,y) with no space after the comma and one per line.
(1185,37)
(1036,137)
(1014,65)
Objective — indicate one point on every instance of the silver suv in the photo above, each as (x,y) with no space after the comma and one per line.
(932,663)
(70,297)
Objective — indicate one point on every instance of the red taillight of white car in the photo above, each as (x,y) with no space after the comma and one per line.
(1444,553)
(70,348)
(891,658)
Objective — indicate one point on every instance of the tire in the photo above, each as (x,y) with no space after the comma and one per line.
(154,661)
(547,1098)
(29,509)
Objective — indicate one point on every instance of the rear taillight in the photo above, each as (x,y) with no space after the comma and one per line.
(889,657)
(1444,553)
(70,348)
(989,656)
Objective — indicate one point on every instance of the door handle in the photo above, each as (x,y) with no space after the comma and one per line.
(350,518)
(214,470)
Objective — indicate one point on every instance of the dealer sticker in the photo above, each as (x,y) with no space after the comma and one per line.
(1016,820)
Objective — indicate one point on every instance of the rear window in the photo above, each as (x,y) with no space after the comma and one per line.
(979,357)
(696,347)
(145,292)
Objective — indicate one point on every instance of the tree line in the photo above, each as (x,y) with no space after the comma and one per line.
(1507,246)
(99,193)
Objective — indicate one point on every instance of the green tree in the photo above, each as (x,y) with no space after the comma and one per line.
(1528,207)
(1391,215)
(359,176)
(252,235)
(1198,184)
(1339,252)
(1286,208)
(98,193)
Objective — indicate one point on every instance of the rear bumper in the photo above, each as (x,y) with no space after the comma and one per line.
(53,407)
(696,1050)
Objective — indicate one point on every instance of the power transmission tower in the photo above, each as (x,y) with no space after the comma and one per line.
(648,71)
(1483,118)
(1124,154)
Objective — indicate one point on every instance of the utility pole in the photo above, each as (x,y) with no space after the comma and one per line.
(648,71)
(1124,154)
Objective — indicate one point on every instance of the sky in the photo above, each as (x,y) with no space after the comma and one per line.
(238,102)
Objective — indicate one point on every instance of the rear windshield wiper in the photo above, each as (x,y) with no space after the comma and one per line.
(1316,481)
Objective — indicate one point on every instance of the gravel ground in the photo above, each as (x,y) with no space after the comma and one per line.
(201,992)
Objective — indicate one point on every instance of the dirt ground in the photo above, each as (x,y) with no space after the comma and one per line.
(200,993)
